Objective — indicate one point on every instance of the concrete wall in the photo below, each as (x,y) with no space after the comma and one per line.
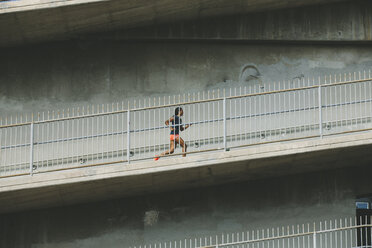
(168,216)
(347,21)
(32,21)
(70,74)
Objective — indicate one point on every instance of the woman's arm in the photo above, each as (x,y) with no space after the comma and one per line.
(168,121)
(186,127)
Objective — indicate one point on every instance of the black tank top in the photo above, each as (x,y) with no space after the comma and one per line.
(176,123)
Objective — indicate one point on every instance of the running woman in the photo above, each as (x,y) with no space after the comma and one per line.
(175,127)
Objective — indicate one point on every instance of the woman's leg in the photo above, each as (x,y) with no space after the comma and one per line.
(183,145)
(171,149)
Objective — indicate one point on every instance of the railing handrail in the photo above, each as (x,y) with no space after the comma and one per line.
(113,130)
(190,122)
(276,233)
(289,236)
(186,103)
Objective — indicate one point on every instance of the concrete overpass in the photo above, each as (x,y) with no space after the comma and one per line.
(90,184)
(30,21)
(82,54)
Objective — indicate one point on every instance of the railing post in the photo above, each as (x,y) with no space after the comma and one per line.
(314,239)
(320,111)
(31,147)
(128,135)
(314,236)
(224,125)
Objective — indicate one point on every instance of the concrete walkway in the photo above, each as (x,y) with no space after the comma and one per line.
(120,180)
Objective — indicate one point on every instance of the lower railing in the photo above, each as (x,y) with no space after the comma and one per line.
(341,233)
(221,120)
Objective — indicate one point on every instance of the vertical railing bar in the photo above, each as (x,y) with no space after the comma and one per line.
(335,234)
(145,125)
(107,128)
(213,118)
(52,137)
(134,127)
(159,129)
(90,127)
(285,108)
(122,125)
(262,119)
(198,118)
(147,137)
(67,135)
(63,137)
(320,111)
(31,144)
(326,102)
(365,239)
(112,131)
(16,142)
(20,141)
(73,149)
(359,99)
(270,109)
(92,140)
(208,118)
(365,97)
(330,234)
(217,121)
(154,125)
(148,114)
(11,162)
(360,230)
(245,131)
(235,119)
(350,97)
(230,115)
(254,116)
(128,134)
(326,236)
(355,99)
(102,133)
(97,120)
(346,233)
(336,102)
(370,231)
(84,133)
(36,138)
(341,236)
(241,117)
(314,236)
(193,118)
(291,126)
(224,124)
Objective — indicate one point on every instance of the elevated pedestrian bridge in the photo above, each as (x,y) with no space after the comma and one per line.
(99,152)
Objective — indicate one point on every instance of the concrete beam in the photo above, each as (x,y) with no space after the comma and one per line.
(251,163)
(343,22)
(36,21)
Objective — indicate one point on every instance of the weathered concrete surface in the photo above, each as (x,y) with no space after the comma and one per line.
(104,182)
(74,74)
(176,214)
(346,22)
(9,6)
(24,22)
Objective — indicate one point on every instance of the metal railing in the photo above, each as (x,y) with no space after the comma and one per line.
(340,233)
(221,120)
